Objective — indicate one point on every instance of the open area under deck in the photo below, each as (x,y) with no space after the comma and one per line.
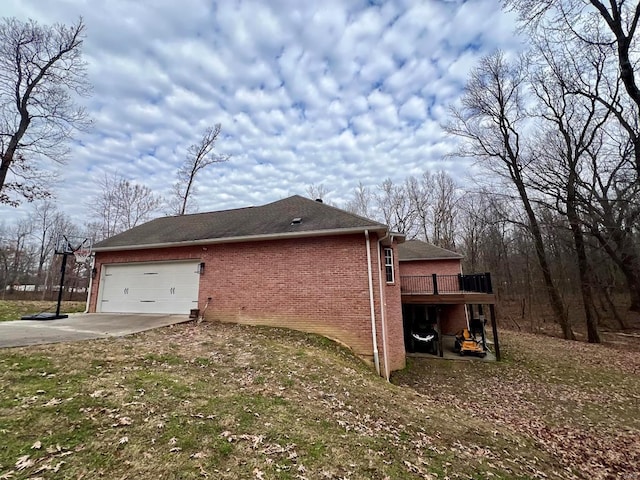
(449,351)
(438,294)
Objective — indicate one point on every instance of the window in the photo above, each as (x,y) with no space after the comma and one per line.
(388,264)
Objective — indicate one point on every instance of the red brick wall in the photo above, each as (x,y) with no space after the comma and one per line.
(427,267)
(453,319)
(393,315)
(316,285)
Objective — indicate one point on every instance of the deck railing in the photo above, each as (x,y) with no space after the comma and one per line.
(441,284)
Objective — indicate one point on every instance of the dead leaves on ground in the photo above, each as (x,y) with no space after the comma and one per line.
(50,462)
(578,402)
(537,415)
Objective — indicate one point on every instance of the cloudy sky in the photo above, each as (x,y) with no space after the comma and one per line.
(307,92)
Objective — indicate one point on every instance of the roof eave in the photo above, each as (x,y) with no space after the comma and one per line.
(246,238)
(430,258)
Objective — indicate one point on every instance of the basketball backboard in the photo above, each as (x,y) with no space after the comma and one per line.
(68,244)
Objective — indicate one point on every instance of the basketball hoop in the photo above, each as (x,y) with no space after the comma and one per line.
(69,244)
(65,245)
(82,255)
(79,247)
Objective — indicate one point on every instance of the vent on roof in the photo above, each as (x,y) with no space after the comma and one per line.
(296,221)
(319,200)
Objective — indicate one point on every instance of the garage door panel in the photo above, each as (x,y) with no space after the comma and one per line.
(170,287)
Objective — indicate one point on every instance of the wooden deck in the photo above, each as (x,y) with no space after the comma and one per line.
(449,298)
(447,289)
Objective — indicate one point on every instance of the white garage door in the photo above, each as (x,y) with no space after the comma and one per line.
(168,287)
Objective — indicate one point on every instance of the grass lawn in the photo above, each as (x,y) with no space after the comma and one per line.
(15,309)
(228,401)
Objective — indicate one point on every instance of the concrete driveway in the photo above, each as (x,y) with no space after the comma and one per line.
(81,326)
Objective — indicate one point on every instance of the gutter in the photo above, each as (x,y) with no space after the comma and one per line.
(374,333)
(245,238)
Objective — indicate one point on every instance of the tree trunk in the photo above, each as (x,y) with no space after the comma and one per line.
(538,241)
(630,265)
(4,169)
(593,335)
(622,252)
(611,306)
(634,291)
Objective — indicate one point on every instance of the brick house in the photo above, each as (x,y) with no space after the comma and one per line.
(294,263)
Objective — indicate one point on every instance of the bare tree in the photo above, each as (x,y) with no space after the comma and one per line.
(199,156)
(317,192)
(105,207)
(46,221)
(421,194)
(41,67)
(396,207)
(571,134)
(489,226)
(121,205)
(138,203)
(474,220)
(490,123)
(594,23)
(361,203)
(16,255)
(434,198)
(445,209)
(603,40)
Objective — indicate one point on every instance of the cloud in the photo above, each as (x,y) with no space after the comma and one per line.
(307,92)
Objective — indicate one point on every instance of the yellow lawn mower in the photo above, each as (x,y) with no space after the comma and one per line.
(471,340)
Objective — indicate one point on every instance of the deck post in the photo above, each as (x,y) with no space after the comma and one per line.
(494,328)
(435,283)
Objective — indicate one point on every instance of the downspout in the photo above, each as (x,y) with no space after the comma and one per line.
(93,262)
(374,333)
(382,310)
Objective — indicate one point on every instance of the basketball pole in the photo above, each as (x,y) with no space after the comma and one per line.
(63,269)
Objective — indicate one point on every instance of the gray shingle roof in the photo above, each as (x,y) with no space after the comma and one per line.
(272,219)
(419,250)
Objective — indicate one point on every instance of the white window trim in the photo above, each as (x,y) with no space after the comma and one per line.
(393,270)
